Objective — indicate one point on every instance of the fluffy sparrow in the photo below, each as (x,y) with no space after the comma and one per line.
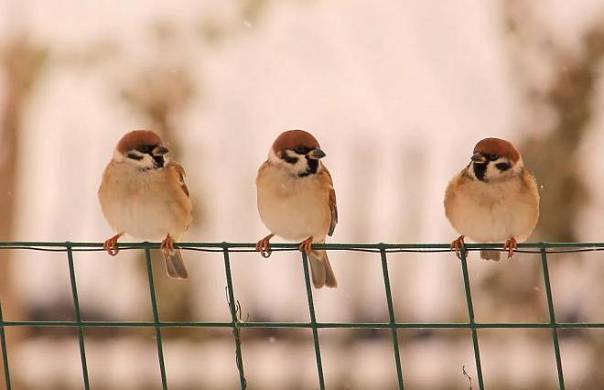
(296,199)
(493,199)
(144,195)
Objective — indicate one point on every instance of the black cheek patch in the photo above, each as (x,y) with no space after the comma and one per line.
(503,166)
(480,170)
(134,156)
(313,165)
(159,161)
(312,168)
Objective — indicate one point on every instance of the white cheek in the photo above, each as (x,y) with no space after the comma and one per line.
(470,171)
(298,167)
(301,165)
(146,162)
(492,171)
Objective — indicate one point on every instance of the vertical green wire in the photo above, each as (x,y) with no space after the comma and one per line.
(4,353)
(552,317)
(466,282)
(397,356)
(235,319)
(313,322)
(160,350)
(78,316)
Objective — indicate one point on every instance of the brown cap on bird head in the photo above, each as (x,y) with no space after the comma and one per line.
(497,147)
(137,138)
(293,138)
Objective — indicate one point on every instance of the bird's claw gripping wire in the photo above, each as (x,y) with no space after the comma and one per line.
(111,245)
(457,246)
(306,246)
(510,245)
(167,245)
(264,246)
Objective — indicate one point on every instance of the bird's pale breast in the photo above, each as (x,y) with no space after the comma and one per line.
(493,212)
(291,207)
(142,203)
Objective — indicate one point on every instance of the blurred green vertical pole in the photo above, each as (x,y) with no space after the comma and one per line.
(20,64)
(4,352)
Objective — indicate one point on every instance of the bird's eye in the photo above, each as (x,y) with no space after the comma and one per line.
(503,166)
(301,149)
(144,148)
(491,156)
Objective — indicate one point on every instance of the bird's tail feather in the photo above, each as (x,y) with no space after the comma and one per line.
(490,254)
(175,265)
(320,268)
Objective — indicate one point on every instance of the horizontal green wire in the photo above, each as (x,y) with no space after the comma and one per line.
(351,325)
(222,245)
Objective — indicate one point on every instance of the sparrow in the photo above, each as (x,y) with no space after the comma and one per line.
(493,199)
(144,195)
(296,200)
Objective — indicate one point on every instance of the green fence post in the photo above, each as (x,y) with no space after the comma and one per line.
(466,282)
(552,316)
(393,330)
(156,322)
(313,321)
(4,352)
(78,316)
(234,318)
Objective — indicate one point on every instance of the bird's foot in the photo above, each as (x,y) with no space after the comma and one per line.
(510,245)
(111,245)
(264,246)
(457,245)
(167,245)
(306,246)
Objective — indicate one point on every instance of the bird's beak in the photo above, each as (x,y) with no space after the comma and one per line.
(160,150)
(317,153)
(479,158)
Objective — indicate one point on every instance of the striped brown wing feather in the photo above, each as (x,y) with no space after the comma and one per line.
(180,171)
(333,206)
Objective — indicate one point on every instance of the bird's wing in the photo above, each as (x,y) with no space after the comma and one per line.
(333,207)
(177,170)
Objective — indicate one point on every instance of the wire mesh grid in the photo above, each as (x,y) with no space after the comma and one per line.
(237,323)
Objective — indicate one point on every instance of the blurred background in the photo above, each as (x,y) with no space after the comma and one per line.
(397,92)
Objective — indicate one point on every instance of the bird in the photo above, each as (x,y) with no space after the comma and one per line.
(493,199)
(296,200)
(143,194)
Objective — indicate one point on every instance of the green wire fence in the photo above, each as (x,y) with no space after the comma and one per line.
(236,323)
